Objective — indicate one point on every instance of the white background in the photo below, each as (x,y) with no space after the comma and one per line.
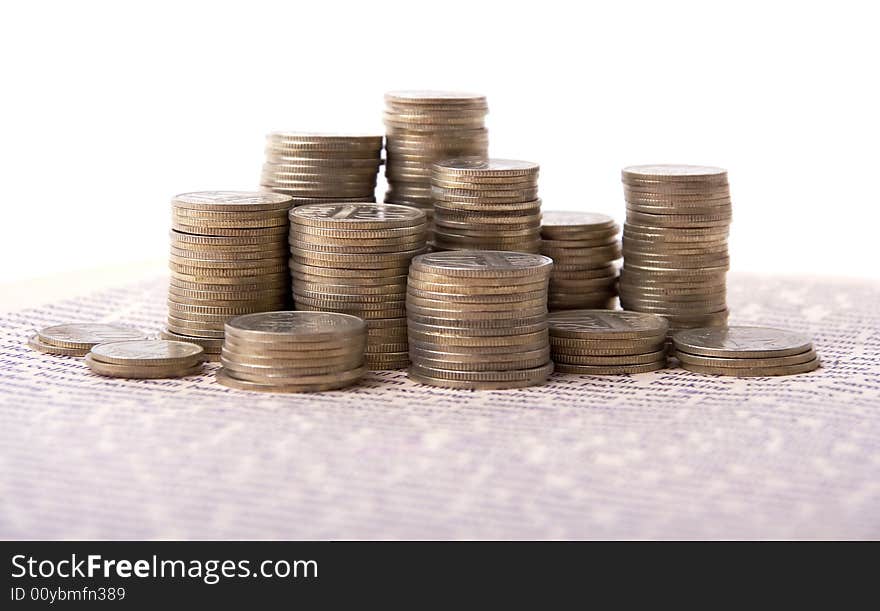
(109,109)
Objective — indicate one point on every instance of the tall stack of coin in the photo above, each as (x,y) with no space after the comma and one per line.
(584,247)
(486,205)
(146,359)
(478,319)
(607,342)
(744,351)
(293,352)
(427,126)
(675,257)
(354,258)
(76,339)
(228,257)
(315,168)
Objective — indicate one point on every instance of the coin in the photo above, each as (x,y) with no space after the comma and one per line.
(741,342)
(606,324)
(226,379)
(482,264)
(795,359)
(610,369)
(231,201)
(272,326)
(148,352)
(35,343)
(759,372)
(141,371)
(85,335)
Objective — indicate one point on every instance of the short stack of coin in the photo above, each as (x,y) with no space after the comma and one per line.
(316,168)
(228,257)
(744,351)
(293,352)
(584,247)
(486,205)
(607,342)
(76,339)
(478,319)
(423,127)
(354,258)
(675,257)
(146,359)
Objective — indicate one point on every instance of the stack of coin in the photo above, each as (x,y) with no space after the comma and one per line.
(316,168)
(354,258)
(145,359)
(293,352)
(478,319)
(76,339)
(228,257)
(584,247)
(604,342)
(744,351)
(427,126)
(486,205)
(675,257)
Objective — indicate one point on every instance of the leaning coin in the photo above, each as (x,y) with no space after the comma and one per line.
(86,335)
(35,343)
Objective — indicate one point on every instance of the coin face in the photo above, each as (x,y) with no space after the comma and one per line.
(86,335)
(232,200)
(426,96)
(483,263)
(353,214)
(585,221)
(609,324)
(509,167)
(742,342)
(661,171)
(300,324)
(158,351)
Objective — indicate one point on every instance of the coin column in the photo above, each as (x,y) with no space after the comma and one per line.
(228,257)
(486,205)
(607,342)
(478,319)
(293,352)
(316,168)
(354,258)
(675,258)
(584,247)
(427,126)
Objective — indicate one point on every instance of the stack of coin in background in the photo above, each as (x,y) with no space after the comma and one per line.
(427,126)
(354,258)
(293,352)
(584,247)
(604,342)
(486,205)
(478,319)
(76,339)
(228,257)
(146,359)
(744,351)
(315,168)
(675,257)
